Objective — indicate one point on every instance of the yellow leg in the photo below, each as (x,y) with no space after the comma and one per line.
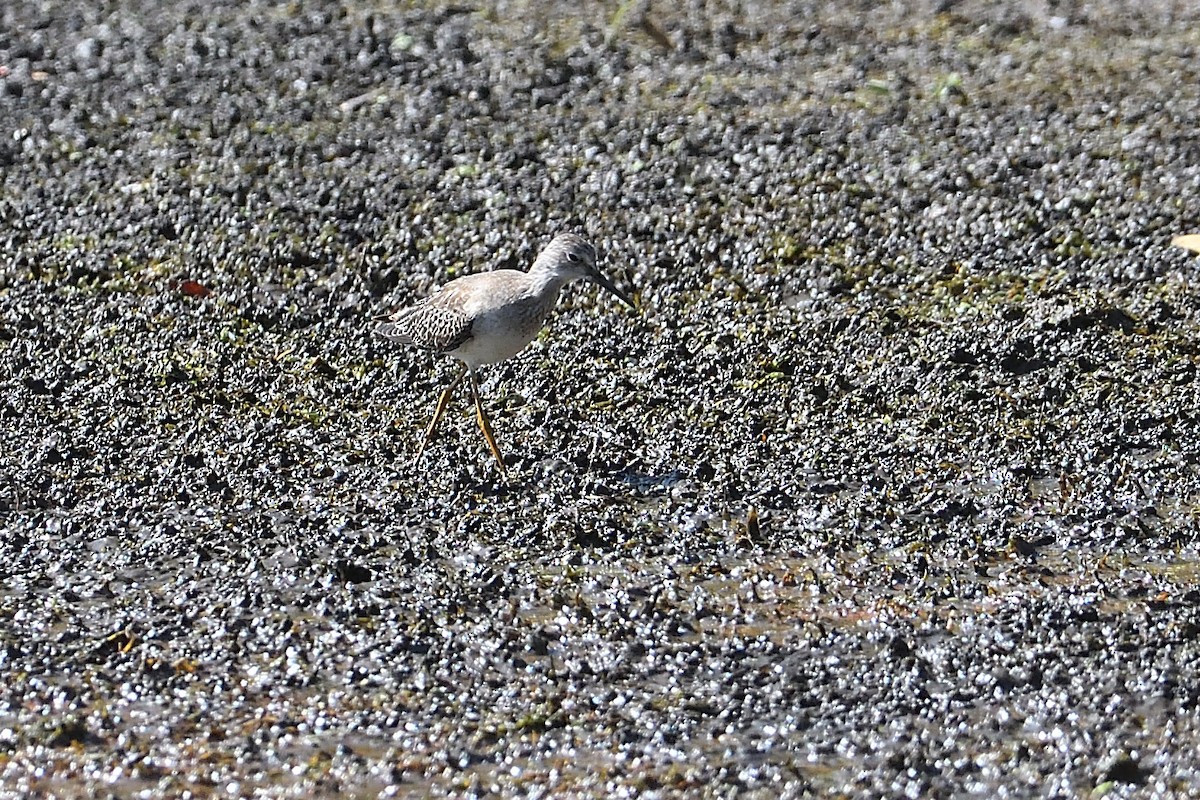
(484,425)
(443,401)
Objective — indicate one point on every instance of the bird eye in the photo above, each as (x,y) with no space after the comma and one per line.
(573,256)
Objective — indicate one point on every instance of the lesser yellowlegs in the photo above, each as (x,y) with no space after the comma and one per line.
(491,316)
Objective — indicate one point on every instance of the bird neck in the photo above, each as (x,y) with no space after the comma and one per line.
(546,281)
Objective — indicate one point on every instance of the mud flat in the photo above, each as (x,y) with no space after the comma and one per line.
(890,489)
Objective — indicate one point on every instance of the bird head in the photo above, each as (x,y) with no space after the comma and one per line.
(571,257)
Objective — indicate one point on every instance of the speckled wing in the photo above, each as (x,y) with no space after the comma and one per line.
(430,324)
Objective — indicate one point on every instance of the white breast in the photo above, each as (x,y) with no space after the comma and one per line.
(490,343)
(499,332)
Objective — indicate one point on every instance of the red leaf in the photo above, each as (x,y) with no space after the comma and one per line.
(194,289)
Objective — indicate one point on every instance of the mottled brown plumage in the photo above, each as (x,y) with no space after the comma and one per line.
(433,324)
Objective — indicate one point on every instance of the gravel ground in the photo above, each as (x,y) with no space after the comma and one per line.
(891,487)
